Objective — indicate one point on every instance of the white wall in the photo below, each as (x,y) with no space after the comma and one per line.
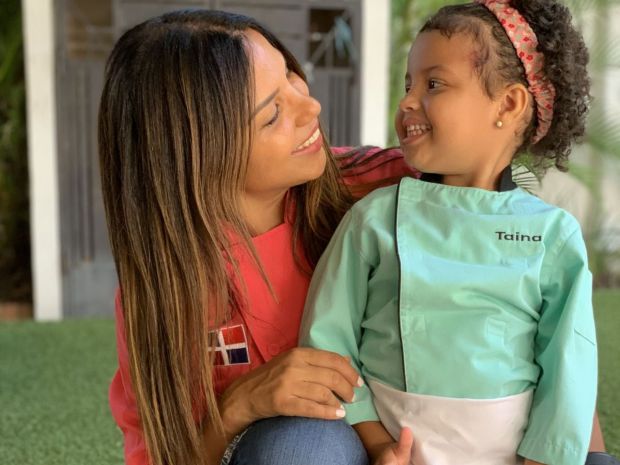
(38,22)
(375,72)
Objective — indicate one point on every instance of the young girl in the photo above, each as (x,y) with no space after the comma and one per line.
(465,301)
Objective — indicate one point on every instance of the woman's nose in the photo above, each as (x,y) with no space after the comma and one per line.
(309,109)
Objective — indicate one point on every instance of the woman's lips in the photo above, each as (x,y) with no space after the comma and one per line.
(311,144)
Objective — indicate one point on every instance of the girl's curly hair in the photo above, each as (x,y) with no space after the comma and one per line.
(497,64)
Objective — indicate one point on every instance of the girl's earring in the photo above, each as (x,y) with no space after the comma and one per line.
(499,124)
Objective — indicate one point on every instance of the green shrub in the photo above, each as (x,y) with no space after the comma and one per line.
(15,281)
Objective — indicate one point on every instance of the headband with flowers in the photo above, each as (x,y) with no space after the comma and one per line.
(525,43)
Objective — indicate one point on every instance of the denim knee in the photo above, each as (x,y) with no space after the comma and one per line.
(299,441)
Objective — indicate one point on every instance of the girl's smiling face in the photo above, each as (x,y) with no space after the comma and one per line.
(446,122)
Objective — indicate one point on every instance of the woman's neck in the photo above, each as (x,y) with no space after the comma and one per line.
(263,212)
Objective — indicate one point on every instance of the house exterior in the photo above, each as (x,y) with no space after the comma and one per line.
(66,44)
(342,44)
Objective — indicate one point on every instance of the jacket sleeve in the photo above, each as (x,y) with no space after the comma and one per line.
(560,421)
(335,307)
(122,398)
(365,169)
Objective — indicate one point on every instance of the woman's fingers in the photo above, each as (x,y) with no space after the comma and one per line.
(331,379)
(305,382)
(332,361)
(306,408)
(319,394)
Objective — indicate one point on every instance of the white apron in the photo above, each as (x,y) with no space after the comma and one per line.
(451,431)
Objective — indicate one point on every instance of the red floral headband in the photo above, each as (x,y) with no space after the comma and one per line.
(525,42)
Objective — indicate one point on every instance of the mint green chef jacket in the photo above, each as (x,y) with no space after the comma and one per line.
(464,293)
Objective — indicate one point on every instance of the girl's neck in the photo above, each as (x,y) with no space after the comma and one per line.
(488,178)
(488,183)
(264,211)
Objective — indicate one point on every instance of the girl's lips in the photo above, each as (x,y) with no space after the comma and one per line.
(412,139)
(315,146)
(412,130)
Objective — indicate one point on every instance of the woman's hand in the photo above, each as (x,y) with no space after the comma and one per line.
(300,382)
(399,453)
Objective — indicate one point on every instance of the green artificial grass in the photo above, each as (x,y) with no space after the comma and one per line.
(54,379)
(607,313)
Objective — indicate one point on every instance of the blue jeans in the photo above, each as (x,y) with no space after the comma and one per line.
(297,441)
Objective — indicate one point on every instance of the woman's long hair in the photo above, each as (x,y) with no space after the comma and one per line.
(174,139)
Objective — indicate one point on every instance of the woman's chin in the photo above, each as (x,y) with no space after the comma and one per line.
(321,163)
(314,166)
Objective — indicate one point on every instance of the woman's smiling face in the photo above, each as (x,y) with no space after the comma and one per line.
(446,121)
(287,146)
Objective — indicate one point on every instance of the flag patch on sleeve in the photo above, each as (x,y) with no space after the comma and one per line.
(231,346)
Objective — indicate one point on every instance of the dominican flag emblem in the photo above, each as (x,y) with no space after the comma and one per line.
(231,346)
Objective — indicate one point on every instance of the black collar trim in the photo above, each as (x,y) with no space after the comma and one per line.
(505,183)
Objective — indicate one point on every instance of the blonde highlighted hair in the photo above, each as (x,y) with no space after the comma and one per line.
(174,137)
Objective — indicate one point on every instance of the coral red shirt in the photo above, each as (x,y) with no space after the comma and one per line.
(266,327)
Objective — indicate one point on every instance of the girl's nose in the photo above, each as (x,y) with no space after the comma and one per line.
(410,102)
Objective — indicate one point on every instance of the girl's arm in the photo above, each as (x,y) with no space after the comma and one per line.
(336,303)
(597,444)
(375,438)
(381,447)
(560,423)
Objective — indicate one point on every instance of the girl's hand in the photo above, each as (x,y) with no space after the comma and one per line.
(399,453)
(300,382)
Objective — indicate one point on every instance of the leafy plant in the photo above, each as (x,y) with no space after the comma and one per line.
(15,280)
(602,143)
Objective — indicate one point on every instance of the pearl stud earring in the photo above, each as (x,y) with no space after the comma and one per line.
(499,124)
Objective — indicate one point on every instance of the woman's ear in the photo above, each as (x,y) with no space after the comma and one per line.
(515,104)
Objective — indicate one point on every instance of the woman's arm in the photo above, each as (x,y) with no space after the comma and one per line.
(215,445)
(365,169)
(122,399)
(301,382)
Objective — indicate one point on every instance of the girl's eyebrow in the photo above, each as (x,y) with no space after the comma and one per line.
(430,69)
(436,68)
(265,102)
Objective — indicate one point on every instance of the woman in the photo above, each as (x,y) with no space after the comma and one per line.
(220,195)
